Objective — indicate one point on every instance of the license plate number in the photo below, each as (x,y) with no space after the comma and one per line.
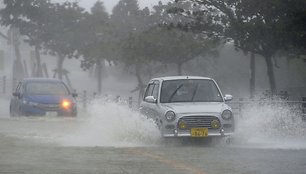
(51,114)
(199,132)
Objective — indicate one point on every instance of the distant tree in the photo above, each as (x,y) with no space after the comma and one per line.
(255,26)
(98,44)
(295,26)
(61,35)
(174,46)
(177,44)
(28,18)
(129,21)
(124,17)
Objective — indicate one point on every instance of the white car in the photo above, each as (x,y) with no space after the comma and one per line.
(188,106)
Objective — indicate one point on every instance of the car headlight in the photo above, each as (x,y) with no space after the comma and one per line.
(182,124)
(66,104)
(215,124)
(170,116)
(227,114)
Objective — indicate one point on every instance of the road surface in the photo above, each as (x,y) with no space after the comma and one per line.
(113,140)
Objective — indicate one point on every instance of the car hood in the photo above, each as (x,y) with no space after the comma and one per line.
(199,107)
(46,99)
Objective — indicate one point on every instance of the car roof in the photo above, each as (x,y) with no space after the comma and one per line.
(38,79)
(182,77)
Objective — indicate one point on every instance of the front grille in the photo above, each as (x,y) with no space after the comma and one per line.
(49,106)
(198,121)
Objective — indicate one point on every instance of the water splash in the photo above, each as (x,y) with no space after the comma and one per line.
(112,124)
(271,124)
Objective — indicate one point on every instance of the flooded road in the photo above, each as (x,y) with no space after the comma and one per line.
(110,138)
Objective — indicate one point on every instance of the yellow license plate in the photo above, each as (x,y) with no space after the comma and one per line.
(199,132)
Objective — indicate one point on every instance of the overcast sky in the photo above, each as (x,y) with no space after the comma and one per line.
(109,4)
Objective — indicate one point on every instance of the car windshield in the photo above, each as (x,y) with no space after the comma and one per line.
(46,88)
(199,90)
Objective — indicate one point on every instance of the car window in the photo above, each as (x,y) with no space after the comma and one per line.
(46,88)
(149,90)
(155,90)
(187,90)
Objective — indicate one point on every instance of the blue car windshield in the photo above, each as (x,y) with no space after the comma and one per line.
(189,90)
(46,88)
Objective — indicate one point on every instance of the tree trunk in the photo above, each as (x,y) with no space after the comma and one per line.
(270,72)
(140,83)
(252,80)
(18,71)
(99,75)
(60,63)
(179,68)
(38,62)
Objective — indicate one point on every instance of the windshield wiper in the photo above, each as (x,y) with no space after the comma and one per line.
(175,91)
(194,92)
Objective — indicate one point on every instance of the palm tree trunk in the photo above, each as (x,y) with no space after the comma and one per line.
(140,83)
(252,80)
(60,63)
(99,75)
(37,55)
(270,72)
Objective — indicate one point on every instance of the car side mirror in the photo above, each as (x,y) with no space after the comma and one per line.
(228,97)
(16,94)
(150,99)
(74,95)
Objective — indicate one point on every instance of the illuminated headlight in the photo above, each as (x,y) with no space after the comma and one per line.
(227,114)
(170,116)
(66,104)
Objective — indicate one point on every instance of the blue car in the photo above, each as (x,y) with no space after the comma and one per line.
(43,96)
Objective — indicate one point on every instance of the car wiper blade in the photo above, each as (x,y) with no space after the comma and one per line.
(175,91)
(194,92)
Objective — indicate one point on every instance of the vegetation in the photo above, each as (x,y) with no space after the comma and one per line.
(173,33)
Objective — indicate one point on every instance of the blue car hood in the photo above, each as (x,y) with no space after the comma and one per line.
(46,99)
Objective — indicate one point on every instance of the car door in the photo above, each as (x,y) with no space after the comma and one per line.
(144,108)
(150,109)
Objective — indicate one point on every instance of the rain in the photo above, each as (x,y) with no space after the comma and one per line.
(112,58)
